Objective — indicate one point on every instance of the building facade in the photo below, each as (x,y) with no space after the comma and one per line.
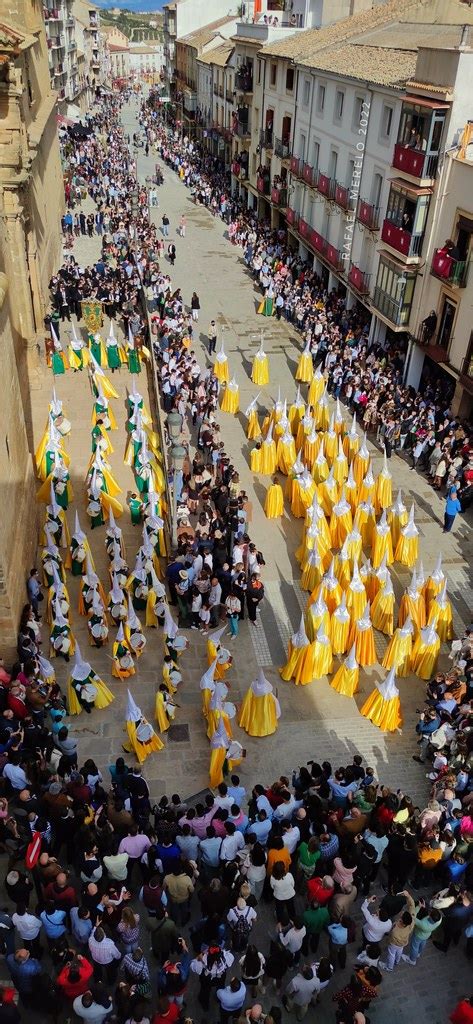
(93,60)
(31,205)
(182,17)
(62,51)
(189,49)
(146,60)
(341,136)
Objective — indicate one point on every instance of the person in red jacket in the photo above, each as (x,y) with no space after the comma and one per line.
(74,978)
(463,1012)
(320,889)
(61,892)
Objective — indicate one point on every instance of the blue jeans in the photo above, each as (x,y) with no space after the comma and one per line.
(416,947)
(448,521)
(165,230)
(233,622)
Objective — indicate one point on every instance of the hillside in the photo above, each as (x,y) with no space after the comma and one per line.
(135,25)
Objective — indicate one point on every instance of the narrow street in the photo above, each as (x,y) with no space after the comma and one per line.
(208,263)
(315,720)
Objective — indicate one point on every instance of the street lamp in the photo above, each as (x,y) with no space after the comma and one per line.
(135,202)
(178,454)
(174,424)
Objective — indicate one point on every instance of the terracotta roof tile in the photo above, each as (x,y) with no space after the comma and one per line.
(367,63)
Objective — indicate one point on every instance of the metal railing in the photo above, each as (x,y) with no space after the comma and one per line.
(266,138)
(281,149)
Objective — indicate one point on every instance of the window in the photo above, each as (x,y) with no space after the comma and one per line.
(320,98)
(315,154)
(306,93)
(339,102)
(259,72)
(386,121)
(272,74)
(333,164)
(394,292)
(302,142)
(376,190)
(350,170)
(289,79)
(357,110)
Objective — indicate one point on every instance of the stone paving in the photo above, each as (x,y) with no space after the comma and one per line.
(315,720)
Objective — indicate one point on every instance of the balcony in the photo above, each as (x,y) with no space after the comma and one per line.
(236,168)
(244,81)
(70,22)
(318,242)
(401,240)
(415,162)
(341,196)
(266,138)
(332,255)
(467,367)
(325,185)
(359,280)
(279,196)
(72,46)
(304,229)
(368,214)
(296,166)
(93,22)
(262,184)
(448,269)
(308,174)
(281,149)
(57,43)
(292,218)
(51,14)
(242,129)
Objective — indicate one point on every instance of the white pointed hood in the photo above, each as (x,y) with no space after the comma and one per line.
(341,613)
(300,638)
(131,339)
(132,619)
(388,590)
(322,637)
(78,534)
(269,436)
(351,482)
(321,458)
(365,621)
(111,335)
(385,471)
(120,637)
(217,634)
(407,629)
(158,587)
(420,575)
(261,686)
(252,405)
(55,404)
(80,669)
(399,507)
(46,670)
(428,634)
(207,681)
(53,505)
(170,626)
(356,582)
(319,607)
(438,575)
(388,688)
(220,739)
(116,593)
(90,577)
(410,529)
(413,589)
(58,617)
(350,661)
(383,527)
(441,599)
(353,428)
(133,712)
(363,451)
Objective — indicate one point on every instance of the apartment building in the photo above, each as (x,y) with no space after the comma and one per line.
(31,204)
(182,17)
(189,49)
(146,59)
(216,99)
(340,137)
(62,51)
(93,62)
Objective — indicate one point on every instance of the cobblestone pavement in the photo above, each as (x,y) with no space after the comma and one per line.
(315,720)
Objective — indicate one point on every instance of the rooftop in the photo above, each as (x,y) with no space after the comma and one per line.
(425,18)
(367,63)
(202,36)
(219,56)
